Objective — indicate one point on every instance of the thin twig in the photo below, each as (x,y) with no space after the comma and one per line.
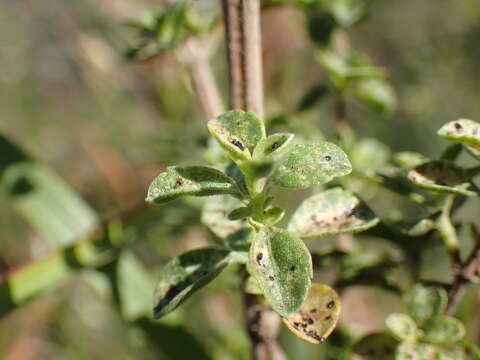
(467,273)
(195,55)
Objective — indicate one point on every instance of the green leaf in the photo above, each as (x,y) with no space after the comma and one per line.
(215,215)
(318,315)
(191,180)
(135,286)
(420,228)
(238,132)
(332,212)
(312,97)
(378,94)
(377,346)
(348,12)
(241,239)
(272,216)
(256,169)
(184,275)
(402,327)
(48,204)
(240,213)
(369,155)
(274,145)
(321,27)
(282,266)
(311,164)
(442,176)
(425,304)
(420,351)
(409,159)
(463,131)
(445,330)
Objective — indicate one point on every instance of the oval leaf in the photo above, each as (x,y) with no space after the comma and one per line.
(318,315)
(379,346)
(238,132)
(442,176)
(311,164)
(462,131)
(215,215)
(282,266)
(446,330)
(274,145)
(191,180)
(185,274)
(402,327)
(335,211)
(426,303)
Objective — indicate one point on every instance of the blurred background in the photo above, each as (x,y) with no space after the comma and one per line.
(71,98)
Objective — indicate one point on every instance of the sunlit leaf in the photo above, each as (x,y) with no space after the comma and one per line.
(191,180)
(369,155)
(335,211)
(378,94)
(445,330)
(462,131)
(442,176)
(402,327)
(311,164)
(318,315)
(184,275)
(238,132)
(282,267)
(272,216)
(409,159)
(273,145)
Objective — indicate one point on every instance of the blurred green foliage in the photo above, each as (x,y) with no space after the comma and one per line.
(97,128)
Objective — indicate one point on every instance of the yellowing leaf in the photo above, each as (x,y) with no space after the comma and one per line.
(318,316)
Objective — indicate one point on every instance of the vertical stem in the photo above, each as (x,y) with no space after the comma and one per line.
(242,33)
(243,37)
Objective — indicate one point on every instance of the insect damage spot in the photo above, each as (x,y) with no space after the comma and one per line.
(259,258)
(292,268)
(327,158)
(238,144)
(271,278)
(275,145)
(331,304)
(458,126)
(178,183)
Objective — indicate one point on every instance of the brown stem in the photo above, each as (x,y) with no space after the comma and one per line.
(465,274)
(242,33)
(195,55)
(243,37)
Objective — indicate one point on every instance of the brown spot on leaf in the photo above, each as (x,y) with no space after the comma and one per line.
(178,183)
(238,144)
(259,258)
(275,145)
(458,126)
(271,278)
(331,304)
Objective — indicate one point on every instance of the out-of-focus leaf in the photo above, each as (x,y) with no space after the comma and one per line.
(348,12)
(378,94)
(402,327)
(282,267)
(184,275)
(238,132)
(251,286)
(445,330)
(272,216)
(369,155)
(462,131)
(425,304)
(379,346)
(241,239)
(49,205)
(273,146)
(135,286)
(311,164)
(442,176)
(420,351)
(215,215)
(312,97)
(420,228)
(191,180)
(321,27)
(335,211)
(409,159)
(240,213)
(318,315)
(202,15)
